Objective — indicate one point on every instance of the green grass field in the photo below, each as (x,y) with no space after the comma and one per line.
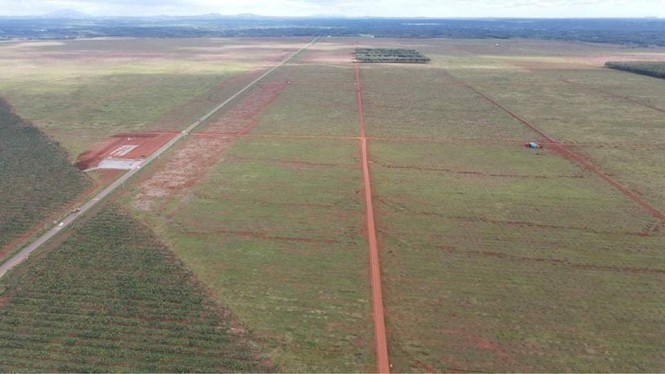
(501,258)
(494,257)
(509,263)
(276,228)
(275,231)
(113,298)
(81,92)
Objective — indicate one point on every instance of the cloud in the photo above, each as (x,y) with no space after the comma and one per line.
(390,8)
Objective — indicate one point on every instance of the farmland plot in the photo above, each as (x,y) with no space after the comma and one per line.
(275,230)
(500,258)
(113,298)
(36,181)
(275,227)
(81,92)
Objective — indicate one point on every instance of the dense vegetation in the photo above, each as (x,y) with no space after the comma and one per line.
(650,68)
(388,55)
(113,298)
(36,178)
(641,32)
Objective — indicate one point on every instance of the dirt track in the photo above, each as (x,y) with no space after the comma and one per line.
(382,361)
(565,152)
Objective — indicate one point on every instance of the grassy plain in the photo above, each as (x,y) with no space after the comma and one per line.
(275,229)
(113,298)
(82,91)
(500,258)
(495,257)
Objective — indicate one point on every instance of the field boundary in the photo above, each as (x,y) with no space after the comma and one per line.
(382,360)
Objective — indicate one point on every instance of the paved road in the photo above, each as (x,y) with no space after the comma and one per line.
(64,224)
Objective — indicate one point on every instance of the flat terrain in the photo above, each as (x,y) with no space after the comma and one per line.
(276,227)
(493,256)
(501,258)
(83,91)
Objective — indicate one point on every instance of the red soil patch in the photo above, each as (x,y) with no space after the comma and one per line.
(191,161)
(124,146)
(182,170)
(245,116)
(4,300)
(260,235)
(487,345)
(328,53)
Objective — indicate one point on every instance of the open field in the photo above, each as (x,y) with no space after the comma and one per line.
(500,258)
(113,298)
(277,234)
(462,208)
(275,227)
(36,181)
(82,91)
(493,256)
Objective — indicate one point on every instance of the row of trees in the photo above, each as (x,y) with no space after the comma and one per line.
(113,298)
(653,69)
(390,55)
(36,178)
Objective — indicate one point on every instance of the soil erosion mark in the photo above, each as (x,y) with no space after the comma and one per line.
(564,151)
(382,362)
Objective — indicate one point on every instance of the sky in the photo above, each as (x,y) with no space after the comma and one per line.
(349,8)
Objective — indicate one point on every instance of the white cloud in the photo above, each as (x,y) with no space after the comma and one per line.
(390,8)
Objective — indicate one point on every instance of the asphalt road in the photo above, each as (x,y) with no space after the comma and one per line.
(65,223)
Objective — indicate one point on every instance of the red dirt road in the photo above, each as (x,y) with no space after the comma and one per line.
(382,361)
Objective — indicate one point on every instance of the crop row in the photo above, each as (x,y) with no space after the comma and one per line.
(388,55)
(37,179)
(653,69)
(123,318)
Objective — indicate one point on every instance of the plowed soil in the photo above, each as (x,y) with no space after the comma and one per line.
(187,165)
(245,116)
